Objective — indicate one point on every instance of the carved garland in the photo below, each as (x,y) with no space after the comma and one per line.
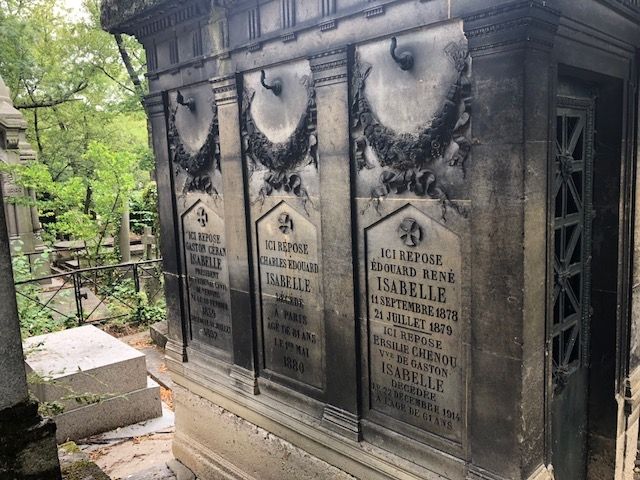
(407,159)
(196,165)
(283,160)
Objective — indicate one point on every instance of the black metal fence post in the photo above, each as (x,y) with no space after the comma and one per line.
(136,277)
(77,288)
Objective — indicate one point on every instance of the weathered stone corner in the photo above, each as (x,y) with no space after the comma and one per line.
(27,444)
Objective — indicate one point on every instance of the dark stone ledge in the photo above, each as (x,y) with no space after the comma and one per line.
(121,16)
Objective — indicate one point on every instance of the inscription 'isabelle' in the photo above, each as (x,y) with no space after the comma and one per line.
(291,298)
(414,310)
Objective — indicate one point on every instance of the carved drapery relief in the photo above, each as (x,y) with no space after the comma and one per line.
(407,158)
(197,165)
(283,160)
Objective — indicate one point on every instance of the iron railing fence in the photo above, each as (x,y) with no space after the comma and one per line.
(95,295)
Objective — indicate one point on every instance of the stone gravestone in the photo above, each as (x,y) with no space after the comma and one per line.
(27,441)
(362,197)
(22,221)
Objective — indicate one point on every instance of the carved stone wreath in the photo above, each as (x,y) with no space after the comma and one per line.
(197,165)
(407,159)
(283,160)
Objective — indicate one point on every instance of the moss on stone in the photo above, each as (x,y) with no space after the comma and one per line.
(70,447)
(83,470)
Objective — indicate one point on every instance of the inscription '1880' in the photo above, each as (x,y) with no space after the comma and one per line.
(415,332)
(291,298)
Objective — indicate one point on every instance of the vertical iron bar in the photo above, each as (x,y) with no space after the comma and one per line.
(136,278)
(78,294)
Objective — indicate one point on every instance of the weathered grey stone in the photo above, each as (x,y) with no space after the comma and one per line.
(83,360)
(27,442)
(76,464)
(110,413)
(22,221)
(100,381)
(180,471)
(13,387)
(383,174)
(158,332)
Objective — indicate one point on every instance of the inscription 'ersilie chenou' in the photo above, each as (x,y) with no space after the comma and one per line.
(414,309)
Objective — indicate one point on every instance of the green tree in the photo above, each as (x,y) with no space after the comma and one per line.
(80,89)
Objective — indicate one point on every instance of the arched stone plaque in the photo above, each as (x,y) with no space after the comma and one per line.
(205,256)
(414,274)
(290,295)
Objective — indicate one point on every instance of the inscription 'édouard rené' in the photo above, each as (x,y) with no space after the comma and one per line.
(414,325)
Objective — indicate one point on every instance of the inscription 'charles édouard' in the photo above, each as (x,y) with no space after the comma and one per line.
(414,274)
(291,297)
(207,278)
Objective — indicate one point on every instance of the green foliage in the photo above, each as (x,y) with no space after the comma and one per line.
(86,121)
(143,209)
(84,114)
(34,318)
(135,307)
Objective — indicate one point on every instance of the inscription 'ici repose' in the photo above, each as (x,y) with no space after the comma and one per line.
(207,278)
(291,302)
(415,335)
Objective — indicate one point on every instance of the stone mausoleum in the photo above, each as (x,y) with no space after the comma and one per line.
(22,220)
(398,235)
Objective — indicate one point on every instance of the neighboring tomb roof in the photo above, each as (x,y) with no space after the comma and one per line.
(122,15)
(10,117)
(117,12)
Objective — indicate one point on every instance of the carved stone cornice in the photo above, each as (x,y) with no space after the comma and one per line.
(515,25)
(628,8)
(142,18)
(13,127)
(329,67)
(225,89)
(11,120)
(154,104)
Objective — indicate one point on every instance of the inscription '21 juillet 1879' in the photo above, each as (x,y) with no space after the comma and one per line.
(414,303)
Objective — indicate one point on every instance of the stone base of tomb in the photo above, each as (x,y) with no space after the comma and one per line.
(224,435)
(28,448)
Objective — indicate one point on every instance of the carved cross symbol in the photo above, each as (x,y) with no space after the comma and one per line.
(203,217)
(286,224)
(410,232)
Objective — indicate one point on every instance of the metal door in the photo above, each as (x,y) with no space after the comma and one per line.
(570,318)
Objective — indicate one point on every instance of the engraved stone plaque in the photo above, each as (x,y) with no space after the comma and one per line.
(9,187)
(414,270)
(207,277)
(291,300)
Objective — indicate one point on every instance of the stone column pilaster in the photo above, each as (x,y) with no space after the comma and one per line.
(330,76)
(27,442)
(514,77)
(236,214)
(174,281)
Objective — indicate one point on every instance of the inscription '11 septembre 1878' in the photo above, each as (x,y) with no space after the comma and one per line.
(415,329)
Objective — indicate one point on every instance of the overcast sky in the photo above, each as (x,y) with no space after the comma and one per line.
(75,6)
